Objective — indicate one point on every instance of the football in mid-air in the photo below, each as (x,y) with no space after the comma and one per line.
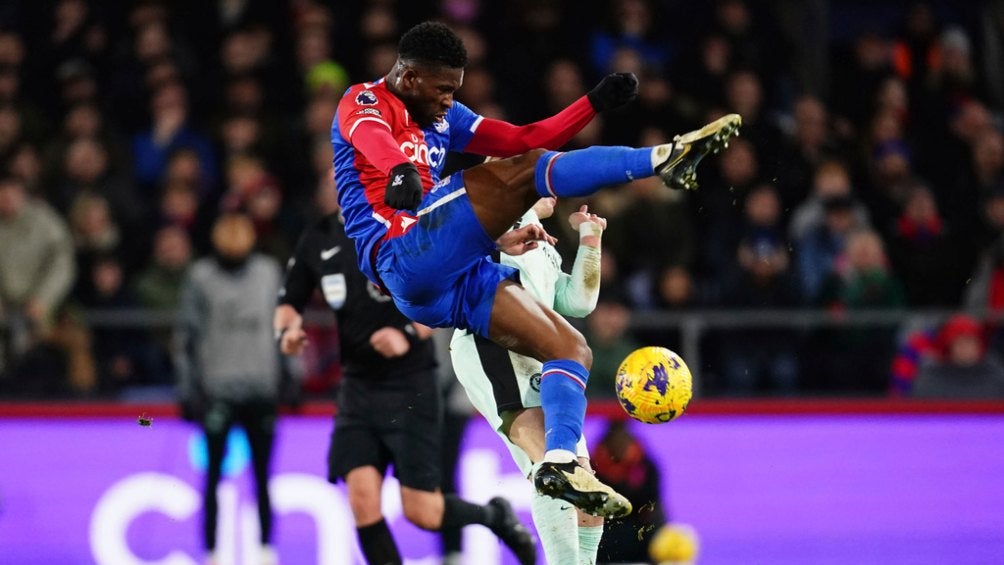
(653,385)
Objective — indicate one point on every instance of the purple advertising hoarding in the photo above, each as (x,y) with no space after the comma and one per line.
(757,489)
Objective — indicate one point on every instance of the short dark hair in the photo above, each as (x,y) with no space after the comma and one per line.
(433,43)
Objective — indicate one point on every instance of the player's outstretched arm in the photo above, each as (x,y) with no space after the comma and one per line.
(576,293)
(502,139)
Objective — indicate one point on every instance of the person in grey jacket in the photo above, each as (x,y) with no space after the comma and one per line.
(37,267)
(227,360)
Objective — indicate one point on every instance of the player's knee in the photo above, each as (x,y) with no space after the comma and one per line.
(580,351)
(365,507)
(534,155)
(364,495)
(573,346)
(424,515)
(527,162)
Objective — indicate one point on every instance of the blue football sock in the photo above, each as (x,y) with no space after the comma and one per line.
(584,171)
(563,399)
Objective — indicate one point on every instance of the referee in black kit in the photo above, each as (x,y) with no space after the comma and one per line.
(389,406)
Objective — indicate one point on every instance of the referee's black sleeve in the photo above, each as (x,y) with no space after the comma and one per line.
(299,281)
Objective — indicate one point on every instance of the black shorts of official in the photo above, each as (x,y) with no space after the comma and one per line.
(384,421)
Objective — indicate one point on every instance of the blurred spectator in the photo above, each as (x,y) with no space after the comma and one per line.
(890,180)
(11,130)
(744,95)
(227,362)
(702,74)
(37,269)
(124,356)
(916,347)
(252,189)
(858,359)
(923,252)
(718,205)
(95,234)
(857,77)
(170,131)
(85,120)
(753,43)
(179,205)
(913,50)
(952,75)
(621,461)
(654,230)
(26,164)
(12,93)
(810,145)
(976,183)
(862,276)
(158,286)
(830,180)
(817,251)
(964,368)
(677,289)
(761,359)
(185,167)
(606,329)
(632,24)
(985,291)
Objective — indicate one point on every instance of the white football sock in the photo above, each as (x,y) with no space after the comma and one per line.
(268,555)
(589,544)
(559,456)
(660,153)
(557,523)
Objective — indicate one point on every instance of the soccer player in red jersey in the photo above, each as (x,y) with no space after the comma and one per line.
(427,241)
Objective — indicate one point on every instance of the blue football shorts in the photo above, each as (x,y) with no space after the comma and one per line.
(440,272)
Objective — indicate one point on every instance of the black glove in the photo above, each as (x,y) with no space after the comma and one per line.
(613,91)
(404,188)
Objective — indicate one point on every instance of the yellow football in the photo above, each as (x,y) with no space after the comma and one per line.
(654,385)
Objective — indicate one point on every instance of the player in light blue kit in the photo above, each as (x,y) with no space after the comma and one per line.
(427,242)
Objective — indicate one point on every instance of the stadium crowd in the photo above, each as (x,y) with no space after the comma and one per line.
(869,173)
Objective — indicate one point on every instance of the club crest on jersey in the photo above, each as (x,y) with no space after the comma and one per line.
(366,98)
(441,126)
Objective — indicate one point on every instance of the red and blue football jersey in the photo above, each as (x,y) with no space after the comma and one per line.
(361,185)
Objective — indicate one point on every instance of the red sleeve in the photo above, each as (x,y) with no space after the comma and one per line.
(373,139)
(496,138)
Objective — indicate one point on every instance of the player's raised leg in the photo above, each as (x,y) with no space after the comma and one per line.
(501,191)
